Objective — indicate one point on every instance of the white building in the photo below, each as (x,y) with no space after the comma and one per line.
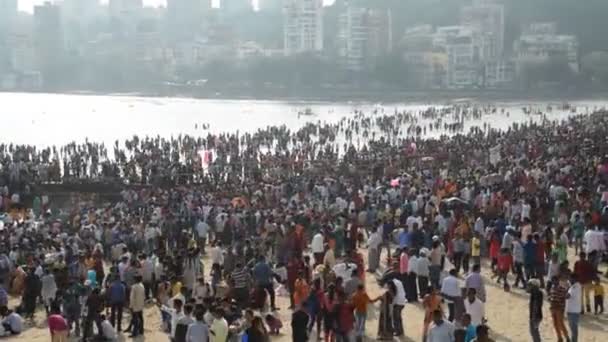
(8,14)
(540,43)
(499,73)
(487,20)
(428,62)
(269,5)
(363,36)
(22,52)
(462,52)
(77,17)
(303,26)
(352,38)
(462,68)
(234,7)
(120,8)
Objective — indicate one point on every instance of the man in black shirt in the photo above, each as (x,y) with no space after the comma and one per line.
(536,309)
(94,307)
(299,325)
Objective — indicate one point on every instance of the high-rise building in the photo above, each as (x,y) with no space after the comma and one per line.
(77,17)
(185,17)
(48,30)
(125,15)
(462,53)
(540,43)
(84,9)
(233,7)
(270,5)
(487,20)
(363,36)
(121,8)
(8,14)
(49,43)
(302,26)
(427,62)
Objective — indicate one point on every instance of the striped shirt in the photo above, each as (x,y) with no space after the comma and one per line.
(557,297)
(240,278)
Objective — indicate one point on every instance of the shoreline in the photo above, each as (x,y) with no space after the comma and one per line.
(354,95)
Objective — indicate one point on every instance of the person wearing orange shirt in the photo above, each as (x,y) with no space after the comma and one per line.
(301,289)
(360,300)
(430,303)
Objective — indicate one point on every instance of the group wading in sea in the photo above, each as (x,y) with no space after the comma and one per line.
(309,214)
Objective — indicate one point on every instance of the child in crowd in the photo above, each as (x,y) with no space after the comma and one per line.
(108,333)
(470,329)
(274,324)
(216,277)
(505,261)
(598,296)
(476,249)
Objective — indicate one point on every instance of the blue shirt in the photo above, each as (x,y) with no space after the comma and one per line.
(404,239)
(387,230)
(117,293)
(530,253)
(262,274)
(471,333)
(501,226)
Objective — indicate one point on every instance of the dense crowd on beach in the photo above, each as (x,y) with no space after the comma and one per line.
(310,214)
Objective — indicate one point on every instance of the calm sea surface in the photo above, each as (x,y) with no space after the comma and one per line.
(55,119)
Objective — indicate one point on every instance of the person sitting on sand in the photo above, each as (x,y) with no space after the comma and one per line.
(11,321)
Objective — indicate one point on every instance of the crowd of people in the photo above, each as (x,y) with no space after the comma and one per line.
(310,220)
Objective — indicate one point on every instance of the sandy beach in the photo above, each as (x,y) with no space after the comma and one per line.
(506,312)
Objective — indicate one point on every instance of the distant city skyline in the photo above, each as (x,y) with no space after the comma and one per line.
(28,5)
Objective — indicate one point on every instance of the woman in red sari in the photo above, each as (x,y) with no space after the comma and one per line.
(494,249)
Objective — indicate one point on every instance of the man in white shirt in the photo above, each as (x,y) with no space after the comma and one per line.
(440,330)
(442,223)
(450,290)
(574,306)
(217,254)
(201,231)
(525,211)
(151,234)
(147,273)
(219,328)
(412,278)
(594,242)
(122,266)
(175,313)
(411,220)
(398,305)
(198,331)
(318,248)
(373,250)
(344,270)
(137,300)
(479,225)
(474,307)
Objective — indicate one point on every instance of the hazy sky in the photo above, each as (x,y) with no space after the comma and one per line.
(28,5)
